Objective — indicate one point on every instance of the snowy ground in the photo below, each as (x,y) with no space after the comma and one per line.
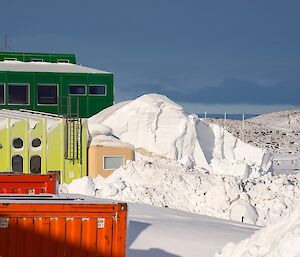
(163,232)
(279,239)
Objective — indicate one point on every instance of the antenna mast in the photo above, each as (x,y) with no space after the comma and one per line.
(5,45)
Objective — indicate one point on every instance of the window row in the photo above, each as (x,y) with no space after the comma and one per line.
(110,163)
(46,93)
(35,164)
(37,60)
(18,143)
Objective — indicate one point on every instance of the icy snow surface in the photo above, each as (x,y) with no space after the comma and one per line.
(163,232)
(280,239)
(167,183)
(157,125)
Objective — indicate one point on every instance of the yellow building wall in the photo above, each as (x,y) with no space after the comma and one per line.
(19,129)
(5,146)
(36,132)
(55,148)
(52,149)
(78,168)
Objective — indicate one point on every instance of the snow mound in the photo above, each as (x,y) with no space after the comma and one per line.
(83,186)
(166,183)
(280,239)
(158,125)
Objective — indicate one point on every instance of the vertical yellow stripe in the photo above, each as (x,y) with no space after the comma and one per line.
(26,147)
(9,168)
(44,146)
(62,154)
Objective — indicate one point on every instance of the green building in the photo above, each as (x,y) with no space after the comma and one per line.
(53,83)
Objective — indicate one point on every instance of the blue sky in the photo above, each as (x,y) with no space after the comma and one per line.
(214,56)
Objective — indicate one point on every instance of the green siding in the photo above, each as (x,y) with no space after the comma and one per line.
(88,104)
(28,57)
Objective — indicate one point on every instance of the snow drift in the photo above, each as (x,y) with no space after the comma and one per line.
(280,239)
(157,125)
(166,183)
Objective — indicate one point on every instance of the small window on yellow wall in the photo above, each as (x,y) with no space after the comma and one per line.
(35,164)
(113,162)
(17,163)
(36,142)
(17,143)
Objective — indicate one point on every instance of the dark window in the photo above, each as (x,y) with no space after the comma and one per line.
(97,89)
(36,142)
(47,94)
(10,59)
(18,143)
(35,164)
(63,61)
(2,93)
(17,163)
(36,60)
(18,94)
(77,90)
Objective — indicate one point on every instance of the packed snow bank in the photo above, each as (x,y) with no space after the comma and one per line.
(158,125)
(104,137)
(280,239)
(167,183)
(231,156)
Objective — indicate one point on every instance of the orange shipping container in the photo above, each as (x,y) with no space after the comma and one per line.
(52,226)
(19,183)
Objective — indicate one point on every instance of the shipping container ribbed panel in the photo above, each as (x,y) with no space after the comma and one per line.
(43,226)
(14,183)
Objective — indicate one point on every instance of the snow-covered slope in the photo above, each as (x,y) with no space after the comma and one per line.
(155,124)
(163,232)
(288,121)
(280,239)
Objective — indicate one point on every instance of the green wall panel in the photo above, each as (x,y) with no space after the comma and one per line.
(46,57)
(86,105)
